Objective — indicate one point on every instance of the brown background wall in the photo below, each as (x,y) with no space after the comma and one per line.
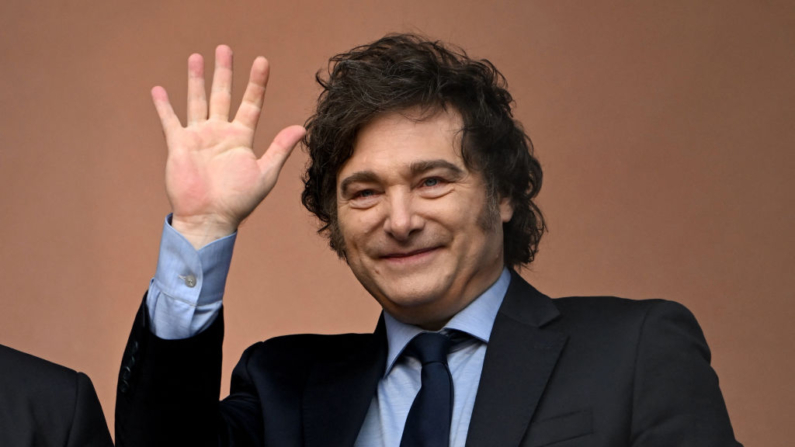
(665,130)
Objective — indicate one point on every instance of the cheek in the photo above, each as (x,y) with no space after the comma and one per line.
(356,226)
(473,227)
(462,216)
(450,211)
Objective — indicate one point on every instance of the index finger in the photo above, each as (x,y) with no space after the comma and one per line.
(168,119)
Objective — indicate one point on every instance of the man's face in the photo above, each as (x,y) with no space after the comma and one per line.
(420,233)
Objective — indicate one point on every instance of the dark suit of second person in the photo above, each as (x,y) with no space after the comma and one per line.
(43,404)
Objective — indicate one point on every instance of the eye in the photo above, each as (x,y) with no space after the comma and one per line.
(364,198)
(432,181)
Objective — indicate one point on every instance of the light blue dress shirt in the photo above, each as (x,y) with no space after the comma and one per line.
(185,298)
(185,295)
(386,417)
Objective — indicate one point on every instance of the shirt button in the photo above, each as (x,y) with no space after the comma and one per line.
(190,280)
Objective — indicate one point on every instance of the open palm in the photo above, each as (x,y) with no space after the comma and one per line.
(213,178)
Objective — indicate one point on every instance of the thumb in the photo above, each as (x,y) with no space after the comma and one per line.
(280,149)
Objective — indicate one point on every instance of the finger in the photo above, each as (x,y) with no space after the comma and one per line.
(168,118)
(251,106)
(221,94)
(280,148)
(197,98)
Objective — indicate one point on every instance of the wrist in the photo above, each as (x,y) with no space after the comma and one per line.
(202,230)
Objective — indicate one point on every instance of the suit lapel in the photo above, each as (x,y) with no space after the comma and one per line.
(519,361)
(339,392)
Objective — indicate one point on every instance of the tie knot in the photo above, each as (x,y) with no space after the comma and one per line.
(431,347)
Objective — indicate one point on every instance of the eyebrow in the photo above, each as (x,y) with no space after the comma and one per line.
(416,168)
(419,167)
(357,177)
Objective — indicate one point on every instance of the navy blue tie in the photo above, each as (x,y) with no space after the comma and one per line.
(428,423)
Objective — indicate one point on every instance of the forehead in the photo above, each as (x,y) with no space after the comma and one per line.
(394,141)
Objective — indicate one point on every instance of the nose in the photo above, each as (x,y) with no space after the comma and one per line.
(402,220)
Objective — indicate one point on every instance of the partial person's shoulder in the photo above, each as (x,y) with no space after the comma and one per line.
(42,403)
(21,371)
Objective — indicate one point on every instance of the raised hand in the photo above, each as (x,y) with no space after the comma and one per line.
(213,178)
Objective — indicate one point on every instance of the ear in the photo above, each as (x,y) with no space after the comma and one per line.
(506,209)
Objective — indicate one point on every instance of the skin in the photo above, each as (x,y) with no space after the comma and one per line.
(412,218)
(419,231)
(213,178)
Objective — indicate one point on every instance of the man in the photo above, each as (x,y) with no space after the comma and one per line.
(43,404)
(423,183)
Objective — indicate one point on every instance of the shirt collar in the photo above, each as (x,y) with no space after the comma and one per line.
(476,320)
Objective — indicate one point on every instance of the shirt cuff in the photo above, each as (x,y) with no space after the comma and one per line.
(186,293)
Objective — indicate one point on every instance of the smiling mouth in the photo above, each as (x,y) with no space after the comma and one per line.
(410,256)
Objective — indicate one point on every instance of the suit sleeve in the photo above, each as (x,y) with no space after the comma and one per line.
(168,391)
(89,428)
(677,400)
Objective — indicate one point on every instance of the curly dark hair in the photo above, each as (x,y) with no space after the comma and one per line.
(403,71)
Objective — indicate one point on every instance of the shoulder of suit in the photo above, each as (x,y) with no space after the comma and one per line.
(611,309)
(310,347)
(21,366)
(605,302)
(27,378)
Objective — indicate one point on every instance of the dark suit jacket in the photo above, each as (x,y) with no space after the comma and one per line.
(565,372)
(44,404)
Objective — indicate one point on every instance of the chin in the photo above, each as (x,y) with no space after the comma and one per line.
(410,294)
(412,304)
